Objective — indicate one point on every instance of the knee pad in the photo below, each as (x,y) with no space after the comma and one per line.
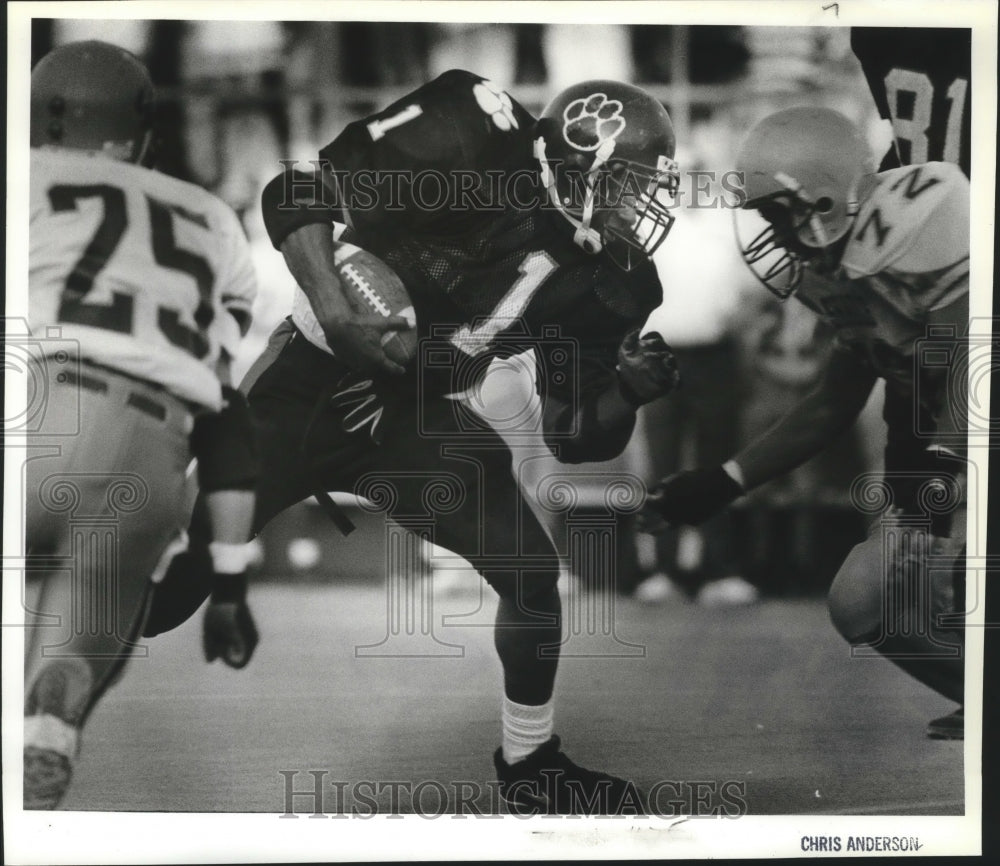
(224,443)
(855,599)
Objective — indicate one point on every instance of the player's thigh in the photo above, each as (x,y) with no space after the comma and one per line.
(102,511)
(303,444)
(467,490)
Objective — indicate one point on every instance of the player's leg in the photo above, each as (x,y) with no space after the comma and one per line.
(661,425)
(498,534)
(101,511)
(951,726)
(908,466)
(865,604)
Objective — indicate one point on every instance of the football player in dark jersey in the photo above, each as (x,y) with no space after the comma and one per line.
(921,82)
(920,79)
(509,233)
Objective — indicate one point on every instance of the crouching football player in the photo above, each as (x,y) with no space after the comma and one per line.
(881,257)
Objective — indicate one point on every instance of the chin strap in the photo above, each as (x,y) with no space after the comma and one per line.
(815,223)
(145,149)
(585,237)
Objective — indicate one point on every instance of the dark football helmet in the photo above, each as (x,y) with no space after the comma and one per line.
(92,96)
(801,170)
(606,151)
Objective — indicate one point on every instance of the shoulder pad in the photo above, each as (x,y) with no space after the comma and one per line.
(914,220)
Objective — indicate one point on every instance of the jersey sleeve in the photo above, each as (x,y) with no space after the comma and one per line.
(236,286)
(431,159)
(295,198)
(915,228)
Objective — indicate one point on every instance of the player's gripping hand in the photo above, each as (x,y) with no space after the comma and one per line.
(647,368)
(690,497)
(228,630)
(359,341)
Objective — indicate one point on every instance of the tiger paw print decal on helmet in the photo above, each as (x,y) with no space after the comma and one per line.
(496,103)
(591,121)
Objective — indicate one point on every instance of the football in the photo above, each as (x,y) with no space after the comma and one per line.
(372,287)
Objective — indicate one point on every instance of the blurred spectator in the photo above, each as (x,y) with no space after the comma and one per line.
(530,63)
(128,33)
(235,108)
(383,54)
(798,59)
(697,425)
(276,290)
(784,58)
(489,50)
(163,58)
(794,530)
(576,52)
(712,55)
(232,49)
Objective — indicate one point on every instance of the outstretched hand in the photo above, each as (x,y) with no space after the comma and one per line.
(687,498)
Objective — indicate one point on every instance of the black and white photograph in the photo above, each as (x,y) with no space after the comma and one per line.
(476,431)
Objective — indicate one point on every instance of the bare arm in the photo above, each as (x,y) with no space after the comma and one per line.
(355,338)
(812,424)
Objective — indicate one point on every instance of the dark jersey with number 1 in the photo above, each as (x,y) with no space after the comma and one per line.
(442,185)
(920,79)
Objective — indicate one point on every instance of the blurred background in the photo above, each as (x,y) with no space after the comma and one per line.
(238,96)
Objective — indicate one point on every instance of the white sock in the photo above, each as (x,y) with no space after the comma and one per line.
(229,558)
(52,734)
(525,728)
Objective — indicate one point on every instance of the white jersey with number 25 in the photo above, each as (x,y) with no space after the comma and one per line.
(150,275)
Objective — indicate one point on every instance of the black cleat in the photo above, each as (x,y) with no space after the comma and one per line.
(549,783)
(950,727)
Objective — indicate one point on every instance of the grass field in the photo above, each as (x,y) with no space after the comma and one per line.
(765,696)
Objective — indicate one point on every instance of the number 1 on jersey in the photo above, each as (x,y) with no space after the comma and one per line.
(378,128)
(534,269)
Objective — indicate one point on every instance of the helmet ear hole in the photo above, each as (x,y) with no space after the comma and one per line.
(824,204)
(91,96)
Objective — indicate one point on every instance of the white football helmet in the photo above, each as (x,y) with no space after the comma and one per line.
(801,170)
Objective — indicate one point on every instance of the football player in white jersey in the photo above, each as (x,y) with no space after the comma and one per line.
(882,258)
(139,288)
